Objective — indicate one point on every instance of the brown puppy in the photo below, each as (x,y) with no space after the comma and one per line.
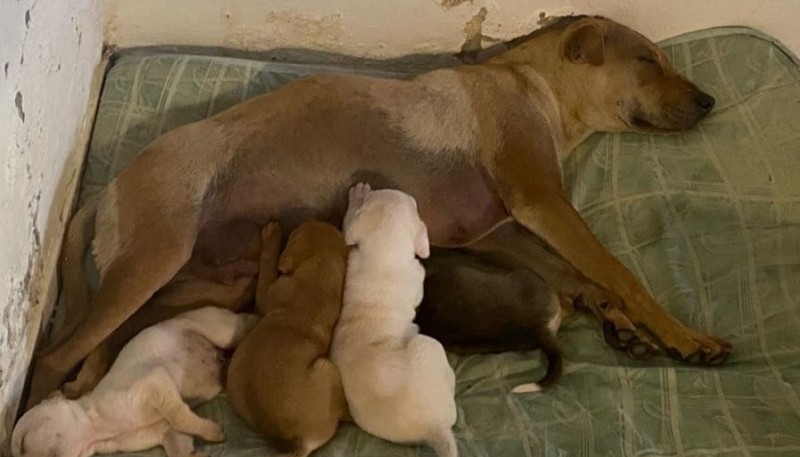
(473,305)
(474,145)
(279,379)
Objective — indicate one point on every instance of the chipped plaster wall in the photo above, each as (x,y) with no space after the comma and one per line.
(49,51)
(391,28)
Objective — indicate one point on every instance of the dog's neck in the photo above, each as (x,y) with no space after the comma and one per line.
(549,91)
(96,426)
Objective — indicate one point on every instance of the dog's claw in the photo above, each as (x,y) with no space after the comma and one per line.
(704,355)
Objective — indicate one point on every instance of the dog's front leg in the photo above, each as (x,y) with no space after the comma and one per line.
(530,186)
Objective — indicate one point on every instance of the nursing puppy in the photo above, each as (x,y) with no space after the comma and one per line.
(398,383)
(472,305)
(279,379)
(142,401)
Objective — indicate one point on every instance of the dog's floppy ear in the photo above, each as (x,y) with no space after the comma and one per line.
(586,44)
(422,245)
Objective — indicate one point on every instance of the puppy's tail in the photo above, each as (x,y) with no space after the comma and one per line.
(75,285)
(548,343)
(443,443)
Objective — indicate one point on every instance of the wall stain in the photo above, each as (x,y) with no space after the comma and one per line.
(5,69)
(453,3)
(18,103)
(473,43)
(27,18)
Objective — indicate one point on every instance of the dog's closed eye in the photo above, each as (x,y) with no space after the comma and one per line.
(647,59)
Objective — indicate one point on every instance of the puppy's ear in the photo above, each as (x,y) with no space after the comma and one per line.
(586,44)
(422,245)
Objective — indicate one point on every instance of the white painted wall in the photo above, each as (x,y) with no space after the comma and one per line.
(48,54)
(389,28)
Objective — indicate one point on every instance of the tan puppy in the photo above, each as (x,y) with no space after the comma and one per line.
(474,145)
(280,380)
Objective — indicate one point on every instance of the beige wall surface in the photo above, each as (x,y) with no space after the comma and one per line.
(391,28)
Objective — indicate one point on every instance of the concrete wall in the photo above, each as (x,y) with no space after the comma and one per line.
(49,51)
(389,28)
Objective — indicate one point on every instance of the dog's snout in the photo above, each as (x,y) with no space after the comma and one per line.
(704,101)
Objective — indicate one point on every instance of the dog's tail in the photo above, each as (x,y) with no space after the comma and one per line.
(548,343)
(443,443)
(74,282)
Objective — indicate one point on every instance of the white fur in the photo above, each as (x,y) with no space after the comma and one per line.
(398,383)
(140,404)
(441,121)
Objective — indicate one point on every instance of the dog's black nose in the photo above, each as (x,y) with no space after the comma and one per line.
(704,101)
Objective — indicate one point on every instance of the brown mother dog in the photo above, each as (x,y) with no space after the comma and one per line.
(472,144)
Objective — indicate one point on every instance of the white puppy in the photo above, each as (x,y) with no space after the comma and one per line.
(140,404)
(397,383)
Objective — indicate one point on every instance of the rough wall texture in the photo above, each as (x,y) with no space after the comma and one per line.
(48,53)
(391,28)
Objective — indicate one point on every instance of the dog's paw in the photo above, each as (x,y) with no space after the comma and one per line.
(698,348)
(271,232)
(212,432)
(358,194)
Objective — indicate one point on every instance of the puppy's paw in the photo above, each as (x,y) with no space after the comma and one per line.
(271,232)
(212,432)
(358,194)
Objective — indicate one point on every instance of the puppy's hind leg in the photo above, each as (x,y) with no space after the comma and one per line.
(224,328)
(443,443)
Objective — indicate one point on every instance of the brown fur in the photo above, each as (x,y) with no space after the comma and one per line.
(279,380)
(472,144)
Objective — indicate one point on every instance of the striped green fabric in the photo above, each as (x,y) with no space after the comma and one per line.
(709,220)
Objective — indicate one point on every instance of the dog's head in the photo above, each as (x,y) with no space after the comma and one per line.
(611,78)
(387,215)
(51,429)
(312,239)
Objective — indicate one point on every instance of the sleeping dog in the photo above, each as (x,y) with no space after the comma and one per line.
(142,401)
(398,383)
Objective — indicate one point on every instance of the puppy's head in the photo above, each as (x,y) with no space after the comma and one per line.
(387,215)
(53,428)
(312,239)
(625,82)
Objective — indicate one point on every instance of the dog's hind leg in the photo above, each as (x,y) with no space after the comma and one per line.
(156,247)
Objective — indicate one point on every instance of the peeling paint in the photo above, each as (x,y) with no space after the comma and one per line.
(453,3)
(473,30)
(43,113)
(18,104)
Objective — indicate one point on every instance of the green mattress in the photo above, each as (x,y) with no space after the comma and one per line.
(709,220)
